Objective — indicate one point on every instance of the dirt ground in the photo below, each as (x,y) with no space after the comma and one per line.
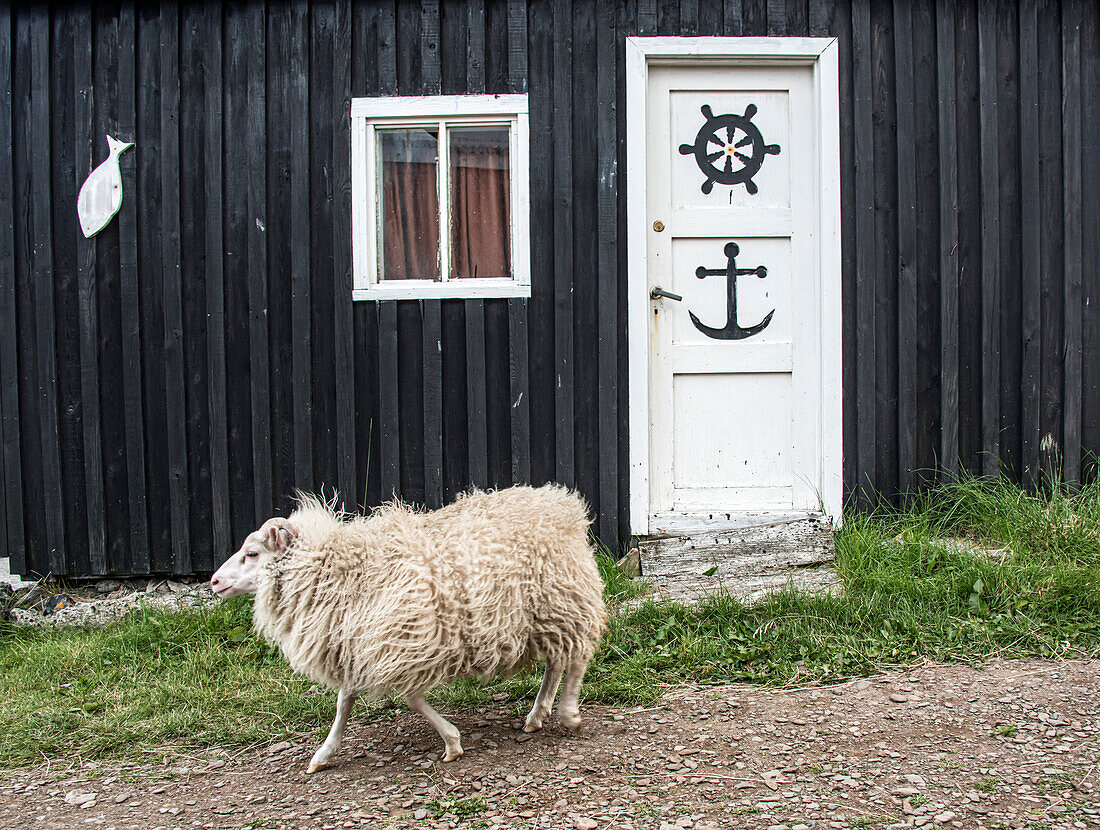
(1014,744)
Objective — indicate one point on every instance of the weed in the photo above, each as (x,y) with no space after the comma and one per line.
(986,785)
(458,807)
(1005,731)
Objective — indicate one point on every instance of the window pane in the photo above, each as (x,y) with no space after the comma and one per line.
(480,236)
(409,203)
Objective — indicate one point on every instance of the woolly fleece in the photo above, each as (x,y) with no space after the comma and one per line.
(401,601)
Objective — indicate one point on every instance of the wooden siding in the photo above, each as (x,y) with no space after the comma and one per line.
(168,384)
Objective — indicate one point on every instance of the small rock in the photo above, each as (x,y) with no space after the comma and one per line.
(77,797)
(282,746)
(420,814)
(584,824)
(944,817)
(56,603)
(915,780)
(898,697)
(107,586)
(218,763)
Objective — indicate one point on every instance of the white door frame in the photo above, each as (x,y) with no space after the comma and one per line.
(822,55)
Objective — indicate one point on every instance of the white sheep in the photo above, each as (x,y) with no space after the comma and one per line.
(401,601)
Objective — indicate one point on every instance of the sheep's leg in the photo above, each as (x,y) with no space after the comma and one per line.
(445,728)
(544,702)
(344,703)
(568,711)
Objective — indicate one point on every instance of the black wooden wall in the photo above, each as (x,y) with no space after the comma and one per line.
(165,386)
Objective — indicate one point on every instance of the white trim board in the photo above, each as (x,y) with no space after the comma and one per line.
(442,111)
(821,54)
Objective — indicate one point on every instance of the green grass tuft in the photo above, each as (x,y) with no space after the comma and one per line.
(919,584)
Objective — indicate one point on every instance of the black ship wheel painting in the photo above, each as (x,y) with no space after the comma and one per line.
(733,137)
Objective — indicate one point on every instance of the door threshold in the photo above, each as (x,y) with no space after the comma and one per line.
(679,523)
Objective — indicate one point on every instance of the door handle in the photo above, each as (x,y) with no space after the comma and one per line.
(657,293)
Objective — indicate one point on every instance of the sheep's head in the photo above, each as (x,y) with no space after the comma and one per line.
(237,575)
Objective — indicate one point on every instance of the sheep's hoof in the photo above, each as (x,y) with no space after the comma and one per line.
(532,725)
(572,722)
(316,768)
(452,755)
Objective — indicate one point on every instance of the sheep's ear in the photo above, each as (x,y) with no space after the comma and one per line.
(280,534)
(275,541)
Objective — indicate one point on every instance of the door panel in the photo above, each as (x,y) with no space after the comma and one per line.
(734,376)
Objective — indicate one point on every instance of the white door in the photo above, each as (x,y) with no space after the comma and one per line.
(739,420)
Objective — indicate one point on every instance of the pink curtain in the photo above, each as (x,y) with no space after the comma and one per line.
(480,232)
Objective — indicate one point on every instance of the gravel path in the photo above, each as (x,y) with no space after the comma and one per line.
(1015,744)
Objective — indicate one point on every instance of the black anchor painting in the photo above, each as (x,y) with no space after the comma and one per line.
(729,148)
(731,331)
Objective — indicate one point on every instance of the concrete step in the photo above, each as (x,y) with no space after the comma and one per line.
(746,557)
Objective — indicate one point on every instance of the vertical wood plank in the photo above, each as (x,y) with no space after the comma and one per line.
(11,459)
(907,246)
(215,284)
(518,376)
(647,17)
(476,416)
(754,18)
(300,241)
(731,17)
(193,203)
(83,129)
(341,254)
(689,18)
(1051,186)
(865,243)
(256,228)
(387,49)
(42,284)
(991,240)
(1010,185)
(1030,244)
(848,292)
(475,394)
(563,241)
(431,310)
(389,435)
(540,319)
(280,277)
(607,318)
(1072,15)
(1090,220)
(884,131)
(429,46)
(949,239)
(777,17)
(66,289)
(432,332)
(821,17)
(176,437)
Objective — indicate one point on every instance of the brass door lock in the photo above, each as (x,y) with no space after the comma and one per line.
(658,226)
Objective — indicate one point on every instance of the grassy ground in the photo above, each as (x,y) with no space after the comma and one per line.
(173,682)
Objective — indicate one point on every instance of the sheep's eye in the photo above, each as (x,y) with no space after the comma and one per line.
(252,554)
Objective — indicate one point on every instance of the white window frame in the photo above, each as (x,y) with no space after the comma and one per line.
(368,115)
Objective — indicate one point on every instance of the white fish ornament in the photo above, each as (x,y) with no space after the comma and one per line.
(101,194)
